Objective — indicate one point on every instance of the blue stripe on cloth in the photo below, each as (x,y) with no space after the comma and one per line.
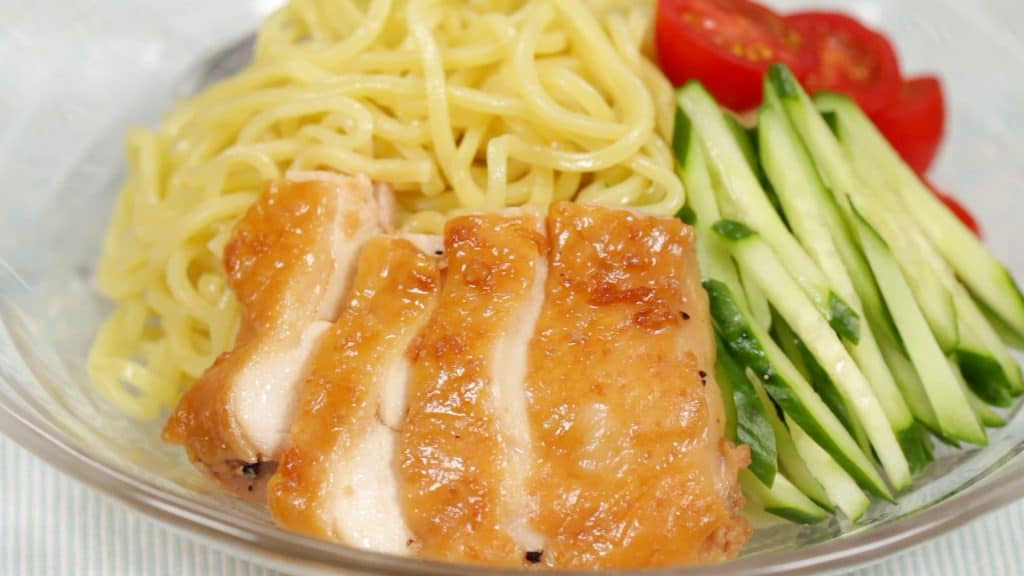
(52,525)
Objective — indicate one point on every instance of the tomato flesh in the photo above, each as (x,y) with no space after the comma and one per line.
(727,45)
(851,59)
(915,123)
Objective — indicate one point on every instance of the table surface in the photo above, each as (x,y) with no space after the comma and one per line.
(51,524)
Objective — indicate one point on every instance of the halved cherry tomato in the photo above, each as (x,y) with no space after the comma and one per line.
(851,59)
(727,45)
(915,122)
(957,208)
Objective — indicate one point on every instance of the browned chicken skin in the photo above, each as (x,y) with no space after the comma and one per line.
(462,486)
(289,264)
(632,469)
(521,391)
(336,478)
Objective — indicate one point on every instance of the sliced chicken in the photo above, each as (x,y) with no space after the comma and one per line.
(631,466)
(337,479)
(289,263)
(464,448)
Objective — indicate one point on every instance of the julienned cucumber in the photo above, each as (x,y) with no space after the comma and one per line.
(756,258)
(703,211)
(985,360)
(791,465)
(782,499)
(839,486)
(841,178)
(745,200)
(809,368)
(945,394)
(976,266)
(805,202)
(753,348)
(752,424)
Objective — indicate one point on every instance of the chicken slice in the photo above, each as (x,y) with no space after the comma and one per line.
(337,479)
(632,469)
(465,444)
(289,262)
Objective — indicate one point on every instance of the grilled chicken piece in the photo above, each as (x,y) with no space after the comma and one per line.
(632,469)
(289,263)
(337,480)
(464,448)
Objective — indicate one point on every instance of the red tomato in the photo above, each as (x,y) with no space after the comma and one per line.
(851,59)
(727,45)
(915,122)
(957,208)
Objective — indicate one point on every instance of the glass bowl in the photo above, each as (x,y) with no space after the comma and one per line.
(80,74)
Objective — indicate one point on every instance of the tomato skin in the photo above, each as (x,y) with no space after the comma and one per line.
(727,45)
(956,208)
(915,123)
(851,58)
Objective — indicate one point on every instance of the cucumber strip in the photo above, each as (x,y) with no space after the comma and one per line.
(911,238)
(822,384)
(910,384)
(752,424)
(755,257)
(1006,333)
(983,273)
(725,387)
(747,140)
(783,499)
(845,183)
(944,392)
(878,318)
(791,465)
(983,340)
(759,307)
(988,365)
(986,415)
(984,376)
(749,203)
(800,191)
(715,261)
(754,349)
(841,489)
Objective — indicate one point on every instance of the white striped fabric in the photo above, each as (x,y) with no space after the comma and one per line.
(50,525)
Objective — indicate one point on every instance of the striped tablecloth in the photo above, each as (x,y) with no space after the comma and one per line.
(52,525)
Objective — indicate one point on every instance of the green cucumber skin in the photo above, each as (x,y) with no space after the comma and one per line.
(755,256)
(752,425)
(917,447)
(791,465)
(738,332)
(817,222)
(900,300)
(987,278)
(840,488)
(795,515)
(805,362)
(843,319)
(743,197)
(985,377)
(783,500)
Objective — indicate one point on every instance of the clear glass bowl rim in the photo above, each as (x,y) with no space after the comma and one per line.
(291,552)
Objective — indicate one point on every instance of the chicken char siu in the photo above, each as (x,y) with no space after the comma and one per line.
(632,469)
(523,390)
(336,480)
(289,262)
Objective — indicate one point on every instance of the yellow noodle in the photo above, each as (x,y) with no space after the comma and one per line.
(457,105)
